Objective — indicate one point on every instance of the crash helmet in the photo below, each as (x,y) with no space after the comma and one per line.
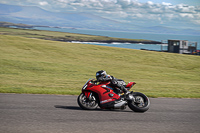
(100,73)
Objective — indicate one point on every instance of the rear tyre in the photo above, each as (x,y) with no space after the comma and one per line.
(140,104)
(87,103)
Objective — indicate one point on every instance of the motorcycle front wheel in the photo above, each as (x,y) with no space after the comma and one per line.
(140,104)
(87,103)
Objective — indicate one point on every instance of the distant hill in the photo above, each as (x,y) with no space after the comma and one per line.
(33,15)
(8,24)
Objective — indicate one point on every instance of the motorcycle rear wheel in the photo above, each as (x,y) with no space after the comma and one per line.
(87,104)
(141,103)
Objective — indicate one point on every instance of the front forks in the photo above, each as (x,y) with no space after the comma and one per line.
(90,97)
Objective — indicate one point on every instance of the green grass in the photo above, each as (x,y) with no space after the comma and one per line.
(50,67)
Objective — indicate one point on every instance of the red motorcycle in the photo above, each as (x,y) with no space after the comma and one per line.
(108,97)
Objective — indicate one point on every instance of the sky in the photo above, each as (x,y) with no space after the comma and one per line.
(170,13)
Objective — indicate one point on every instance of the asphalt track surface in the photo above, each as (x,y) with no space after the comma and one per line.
(28,113)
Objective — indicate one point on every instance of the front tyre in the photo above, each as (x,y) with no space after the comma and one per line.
(140,104)
(87,103)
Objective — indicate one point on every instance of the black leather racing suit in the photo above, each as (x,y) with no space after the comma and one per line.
(114,82)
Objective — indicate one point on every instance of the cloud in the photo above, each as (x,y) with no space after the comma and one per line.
(166,4)
(124,10)
(43,3)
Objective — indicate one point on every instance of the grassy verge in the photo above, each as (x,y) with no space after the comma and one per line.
(49,67)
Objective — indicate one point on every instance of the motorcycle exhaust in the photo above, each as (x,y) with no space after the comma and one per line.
(119,105)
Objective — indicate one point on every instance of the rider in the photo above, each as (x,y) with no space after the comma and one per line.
(102,76)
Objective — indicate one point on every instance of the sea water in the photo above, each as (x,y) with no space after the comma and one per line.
(129,35)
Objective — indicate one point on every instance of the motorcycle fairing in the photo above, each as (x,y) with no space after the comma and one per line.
(106,95)
(129,85)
